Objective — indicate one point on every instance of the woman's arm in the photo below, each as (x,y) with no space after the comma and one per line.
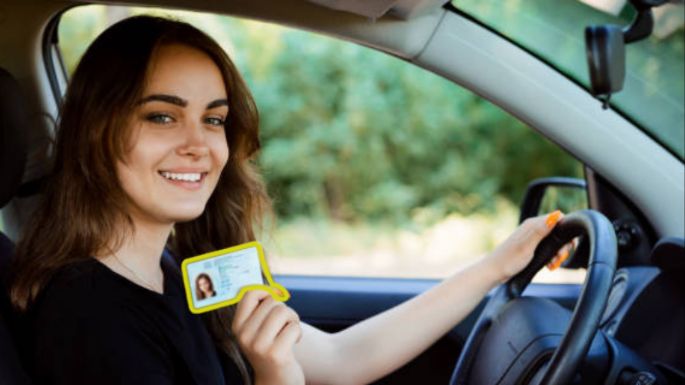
(390,339)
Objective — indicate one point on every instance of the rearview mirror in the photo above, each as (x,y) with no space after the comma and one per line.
(605,47)
(606,55)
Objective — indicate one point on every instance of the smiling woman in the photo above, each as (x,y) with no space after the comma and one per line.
(139,149)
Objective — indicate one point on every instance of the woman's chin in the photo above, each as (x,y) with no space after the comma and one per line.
(187,215)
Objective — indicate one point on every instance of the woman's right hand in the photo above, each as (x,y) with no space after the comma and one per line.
(266,331)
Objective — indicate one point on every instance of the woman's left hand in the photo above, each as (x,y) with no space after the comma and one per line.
(516,252)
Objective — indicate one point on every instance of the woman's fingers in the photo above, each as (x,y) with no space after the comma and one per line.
(288,337)
(251,328)
(246,307)
(516,251)
(266,331)
(532,230)
(260,321)
(562,255)
(558,259)
(553,218)
(277,320)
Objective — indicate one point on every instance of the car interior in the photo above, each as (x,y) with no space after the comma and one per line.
(623,325)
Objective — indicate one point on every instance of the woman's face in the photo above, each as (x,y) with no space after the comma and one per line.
(204,285)
(178,145)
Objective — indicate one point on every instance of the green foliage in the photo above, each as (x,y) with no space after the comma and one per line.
(354,134)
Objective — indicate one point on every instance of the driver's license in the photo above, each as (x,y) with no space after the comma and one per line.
(222,277)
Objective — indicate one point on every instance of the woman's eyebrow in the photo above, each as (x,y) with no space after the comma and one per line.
(217,103)
(164,98)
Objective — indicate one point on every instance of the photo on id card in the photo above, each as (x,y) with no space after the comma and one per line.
(222,277)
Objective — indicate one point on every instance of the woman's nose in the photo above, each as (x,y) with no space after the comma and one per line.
(195,141)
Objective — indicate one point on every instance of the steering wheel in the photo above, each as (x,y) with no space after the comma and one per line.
(513,336)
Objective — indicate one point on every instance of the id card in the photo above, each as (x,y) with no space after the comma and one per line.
(221,278)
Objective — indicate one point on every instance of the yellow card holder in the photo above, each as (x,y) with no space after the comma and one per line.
(215,261)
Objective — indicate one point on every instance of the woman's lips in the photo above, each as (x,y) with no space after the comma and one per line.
(188,180)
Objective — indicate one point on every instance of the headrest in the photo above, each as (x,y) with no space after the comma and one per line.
(13,134)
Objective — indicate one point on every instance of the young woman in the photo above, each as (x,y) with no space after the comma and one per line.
(154,149)
(204,288)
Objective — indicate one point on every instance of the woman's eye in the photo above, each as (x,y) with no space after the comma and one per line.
(160,118)
(214,121)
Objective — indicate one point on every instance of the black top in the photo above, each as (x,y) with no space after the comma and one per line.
(93,326)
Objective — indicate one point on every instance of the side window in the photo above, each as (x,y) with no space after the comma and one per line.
(376,167)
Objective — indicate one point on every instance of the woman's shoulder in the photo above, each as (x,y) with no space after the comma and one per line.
(75,274)
(81,288)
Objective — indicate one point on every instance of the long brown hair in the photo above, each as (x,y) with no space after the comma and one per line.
(84,206)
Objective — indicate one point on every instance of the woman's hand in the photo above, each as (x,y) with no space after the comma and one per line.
(516,252)
(266,331)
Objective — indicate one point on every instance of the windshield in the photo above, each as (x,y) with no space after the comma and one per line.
(654,89)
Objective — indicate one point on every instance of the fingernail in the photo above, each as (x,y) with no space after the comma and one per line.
(552,219)
(556,262)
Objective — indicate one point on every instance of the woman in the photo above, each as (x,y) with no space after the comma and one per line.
(154,149)
(204,288)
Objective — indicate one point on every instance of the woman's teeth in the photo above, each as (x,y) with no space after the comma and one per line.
(188,177)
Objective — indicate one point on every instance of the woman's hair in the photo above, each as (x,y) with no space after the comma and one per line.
(83,210)
(198,292)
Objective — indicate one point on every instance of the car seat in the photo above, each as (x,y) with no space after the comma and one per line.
(13,147)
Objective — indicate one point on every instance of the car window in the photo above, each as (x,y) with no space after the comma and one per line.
(653,95)
(376,167)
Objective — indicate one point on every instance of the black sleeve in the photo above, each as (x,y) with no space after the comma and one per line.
(107,348)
